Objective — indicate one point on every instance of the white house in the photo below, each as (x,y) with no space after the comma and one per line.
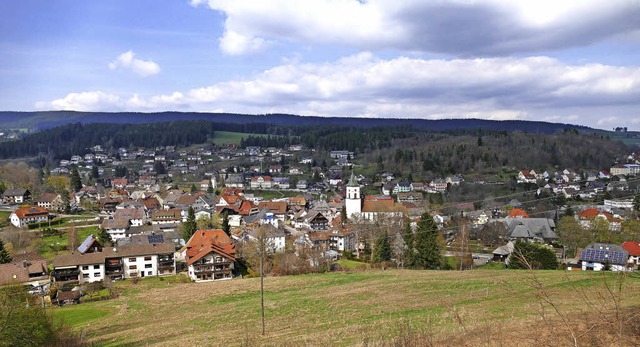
(27,215)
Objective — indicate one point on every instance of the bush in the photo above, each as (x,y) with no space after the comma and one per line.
(532,256)
(30,324)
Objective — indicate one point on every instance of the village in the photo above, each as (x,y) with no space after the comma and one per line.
(209,212)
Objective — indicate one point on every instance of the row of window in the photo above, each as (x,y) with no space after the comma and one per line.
(146,266)
(133,260)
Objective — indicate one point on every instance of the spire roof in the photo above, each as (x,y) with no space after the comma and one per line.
(352,181)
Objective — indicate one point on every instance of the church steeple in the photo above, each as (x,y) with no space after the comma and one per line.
(353,203)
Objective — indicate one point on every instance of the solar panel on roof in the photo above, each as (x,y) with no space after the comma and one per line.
(86,244)
(155,238)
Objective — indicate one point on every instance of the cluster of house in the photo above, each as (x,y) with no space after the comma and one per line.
(209,255)
(596,256)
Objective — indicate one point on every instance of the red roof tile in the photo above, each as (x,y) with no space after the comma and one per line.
(204,242)
(31,211)
(518,213)
(633,247)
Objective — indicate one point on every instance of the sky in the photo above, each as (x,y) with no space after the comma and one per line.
(565,61)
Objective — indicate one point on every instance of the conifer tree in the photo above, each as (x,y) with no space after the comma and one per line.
(225,223)
(5,257)
(189,227)
(428,252)
(75,182)
(409,252)
(382,249)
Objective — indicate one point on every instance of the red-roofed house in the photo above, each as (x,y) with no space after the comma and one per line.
(518,213)
(633,247)
(589,216)
(210,255)
(27,215)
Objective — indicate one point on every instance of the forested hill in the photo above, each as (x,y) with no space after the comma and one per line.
(70,139)
(37,121)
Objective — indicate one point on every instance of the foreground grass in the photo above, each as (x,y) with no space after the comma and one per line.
(367,307)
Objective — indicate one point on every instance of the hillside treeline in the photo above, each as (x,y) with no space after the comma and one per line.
(76,139)
(440,154)
(403,150)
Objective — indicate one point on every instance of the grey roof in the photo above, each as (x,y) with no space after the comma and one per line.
(254,217)
(504,250)
(528,228)
(15,192)
(86,244)
(133,250)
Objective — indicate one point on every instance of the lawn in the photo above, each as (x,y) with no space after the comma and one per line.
(367,307)
(50,246)
(230,138)
(4,218)
(352,264)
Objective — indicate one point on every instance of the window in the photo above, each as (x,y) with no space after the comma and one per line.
(150,273)
(96,266)
(132,267)
(147,258)
(148,266)
(97,274)
(85,267)
(85,276)
(133,260)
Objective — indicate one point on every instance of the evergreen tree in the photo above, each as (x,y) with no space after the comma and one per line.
(194,188)
(409,252)
(527,255)
(5,257)
(225,223)
(159,168)
(636,203)
(381,249)
(104,238)
(210,189)
(94,172)
(65,206)
(75,182)
(426,244)
(189,227)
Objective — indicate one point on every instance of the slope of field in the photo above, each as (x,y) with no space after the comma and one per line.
(390,307)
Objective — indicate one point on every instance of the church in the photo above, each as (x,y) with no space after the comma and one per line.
(371,207)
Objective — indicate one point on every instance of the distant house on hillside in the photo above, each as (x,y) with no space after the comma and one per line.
(16,196)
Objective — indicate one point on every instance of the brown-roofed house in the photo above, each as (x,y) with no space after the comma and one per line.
(210,255)
(27,215)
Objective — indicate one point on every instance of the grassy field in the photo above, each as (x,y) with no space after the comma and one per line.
(49,246)
(373,307)
(229,138)
(4,218)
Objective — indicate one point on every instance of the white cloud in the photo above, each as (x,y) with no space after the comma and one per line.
(84,101)
(534,88)
(459,28)
(127,60)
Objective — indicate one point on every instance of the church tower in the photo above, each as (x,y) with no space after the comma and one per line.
(353,203)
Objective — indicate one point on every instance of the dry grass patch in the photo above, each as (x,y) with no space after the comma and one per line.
(361,308)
